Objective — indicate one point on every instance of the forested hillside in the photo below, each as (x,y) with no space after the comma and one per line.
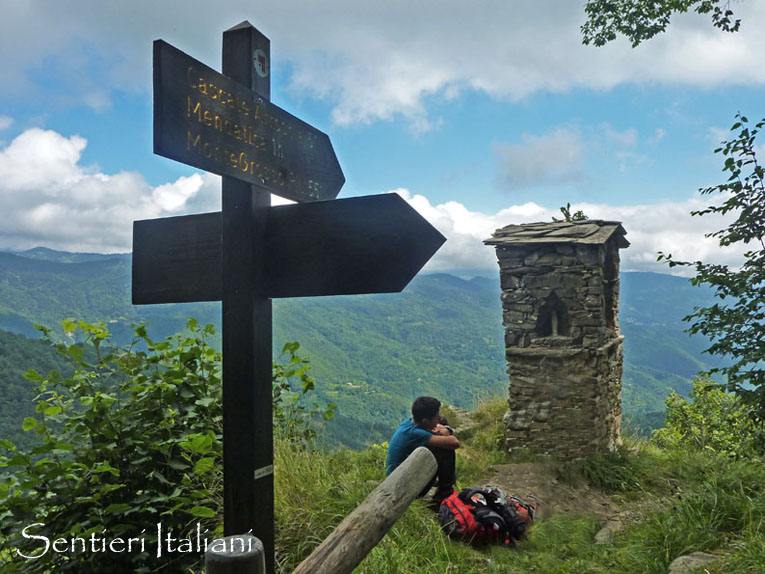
(17,355)
(371,354)
(658,354)
(374,354)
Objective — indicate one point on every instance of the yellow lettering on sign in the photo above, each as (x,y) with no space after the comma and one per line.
(192,142)
(194,110)
(314,188)
(197,82)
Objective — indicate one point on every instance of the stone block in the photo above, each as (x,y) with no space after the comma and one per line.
(517,420)
(510,281)
(590,255)
(510,262)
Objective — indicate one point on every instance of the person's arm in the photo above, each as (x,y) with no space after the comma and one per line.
(449,442)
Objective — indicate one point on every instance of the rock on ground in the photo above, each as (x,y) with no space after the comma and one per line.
(691,563)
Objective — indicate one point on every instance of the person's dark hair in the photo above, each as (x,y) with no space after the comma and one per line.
(425,408)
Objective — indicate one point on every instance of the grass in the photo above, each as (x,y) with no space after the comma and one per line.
(484,445)
(682,502)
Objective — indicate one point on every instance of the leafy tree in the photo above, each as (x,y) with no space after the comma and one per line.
(714,420)
(736,324)
(130,440)
(640,20)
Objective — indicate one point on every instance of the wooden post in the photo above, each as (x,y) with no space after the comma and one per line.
(363,528)
(248,478)
(240,554)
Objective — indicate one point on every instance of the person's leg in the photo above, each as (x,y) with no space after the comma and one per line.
(446,476)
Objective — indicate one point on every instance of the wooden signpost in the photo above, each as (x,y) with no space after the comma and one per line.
(251,252)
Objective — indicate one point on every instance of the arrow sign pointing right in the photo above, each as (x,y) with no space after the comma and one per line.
(373,244)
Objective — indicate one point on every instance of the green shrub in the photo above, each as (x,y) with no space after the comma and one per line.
(713,420)
(130,440)
(294,420)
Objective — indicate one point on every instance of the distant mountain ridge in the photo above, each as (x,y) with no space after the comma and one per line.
(372,354)
(47,254)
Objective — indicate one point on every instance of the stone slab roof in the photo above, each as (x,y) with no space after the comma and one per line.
(589,231)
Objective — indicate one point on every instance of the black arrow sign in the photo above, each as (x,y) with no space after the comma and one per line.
(373,244)
(207,120)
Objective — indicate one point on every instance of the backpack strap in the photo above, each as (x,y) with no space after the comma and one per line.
(467,493)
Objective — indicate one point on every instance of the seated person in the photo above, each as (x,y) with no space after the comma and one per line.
(426,428)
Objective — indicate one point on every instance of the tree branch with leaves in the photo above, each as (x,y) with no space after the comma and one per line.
(736,323)
(640,20)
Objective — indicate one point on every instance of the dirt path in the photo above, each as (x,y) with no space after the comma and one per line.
(537,480)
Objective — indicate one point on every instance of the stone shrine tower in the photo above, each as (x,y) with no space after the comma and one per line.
(560,300)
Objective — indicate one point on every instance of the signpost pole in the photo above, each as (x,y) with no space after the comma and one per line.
(250,252)
(247,325)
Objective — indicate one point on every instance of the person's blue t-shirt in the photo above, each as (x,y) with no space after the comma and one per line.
(408,436)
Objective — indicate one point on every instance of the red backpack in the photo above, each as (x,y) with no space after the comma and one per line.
(485,515)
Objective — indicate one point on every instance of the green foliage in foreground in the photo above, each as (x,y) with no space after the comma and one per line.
(131,439)
(688,501)
(681,500)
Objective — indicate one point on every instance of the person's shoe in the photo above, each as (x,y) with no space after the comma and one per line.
(435,501)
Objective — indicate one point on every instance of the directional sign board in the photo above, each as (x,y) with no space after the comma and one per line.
(373,244)
(178,259)
(207,120)
(251,252)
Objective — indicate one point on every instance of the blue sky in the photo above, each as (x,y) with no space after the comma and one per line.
(480,114)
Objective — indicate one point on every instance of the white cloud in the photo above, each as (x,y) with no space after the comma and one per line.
(651,228)
(626,138)
(47,197)
(372,61)
(668,227)
(658,135)
(717,135)
(555,157)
